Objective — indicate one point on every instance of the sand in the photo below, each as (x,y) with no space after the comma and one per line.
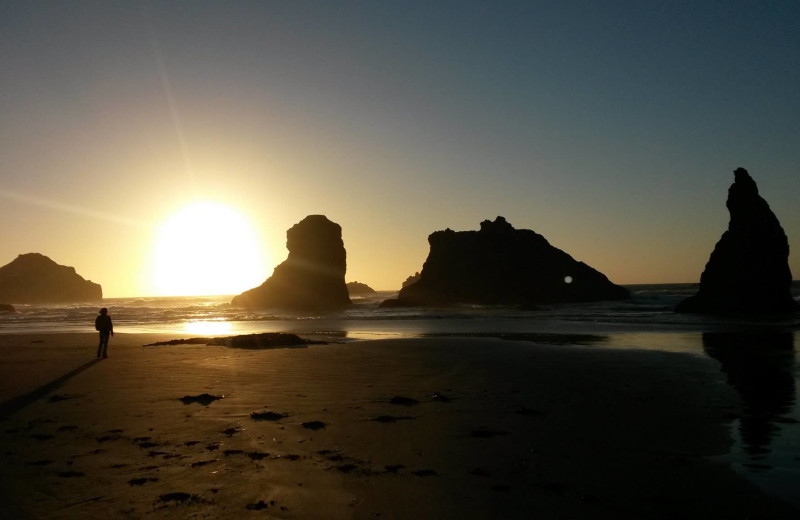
(400,428)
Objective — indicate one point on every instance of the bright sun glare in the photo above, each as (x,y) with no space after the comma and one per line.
(205,249)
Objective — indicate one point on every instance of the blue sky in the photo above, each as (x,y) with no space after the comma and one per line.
(612,128)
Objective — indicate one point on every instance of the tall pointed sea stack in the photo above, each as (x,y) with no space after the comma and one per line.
(748,271)
(503,265)
(312,277)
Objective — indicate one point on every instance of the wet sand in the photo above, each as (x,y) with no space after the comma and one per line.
(406,428)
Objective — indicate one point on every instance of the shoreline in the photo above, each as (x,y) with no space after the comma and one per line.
(519,429)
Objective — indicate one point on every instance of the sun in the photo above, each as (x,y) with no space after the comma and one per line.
(207,248)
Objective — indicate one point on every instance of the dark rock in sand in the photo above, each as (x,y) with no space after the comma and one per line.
(748,271)
(34,278)
(502,265)
(358,288)
(264,340)
(7,309)
(312,277)
(204,399)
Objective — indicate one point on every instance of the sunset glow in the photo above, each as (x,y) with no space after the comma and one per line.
(207,248)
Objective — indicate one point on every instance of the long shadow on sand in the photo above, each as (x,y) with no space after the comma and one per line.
(14,405)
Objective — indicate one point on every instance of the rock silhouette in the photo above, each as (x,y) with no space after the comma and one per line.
(35,278)
(312,277)
(502,265)
(6,308)
(358,288)
(748,271)
(411,279)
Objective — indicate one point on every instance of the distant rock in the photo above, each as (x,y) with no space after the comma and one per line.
(358,288)
(502,265)
(7,309)
(312,277)
(411,279)
(748,271)
(34,278)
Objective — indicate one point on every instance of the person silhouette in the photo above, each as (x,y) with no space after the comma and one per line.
(104,326)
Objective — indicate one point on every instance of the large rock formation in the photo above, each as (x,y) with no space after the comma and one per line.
(748,271)
(312,277)
(34,278)
(502,265)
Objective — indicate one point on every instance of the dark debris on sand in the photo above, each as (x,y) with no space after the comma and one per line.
(392,418)
(425,473)
(314,425)
(257,455)
(403,400)
(70,474)
(230,432)
(181,497)
(141,481)
(204,399)
(268,416)
(486,434)
(529,412)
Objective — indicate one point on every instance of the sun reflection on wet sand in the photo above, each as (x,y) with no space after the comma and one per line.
(208,327)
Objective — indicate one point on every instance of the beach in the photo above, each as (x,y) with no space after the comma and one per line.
(445,427)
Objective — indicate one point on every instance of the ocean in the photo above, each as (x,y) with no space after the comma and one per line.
(649,310)
(757,356)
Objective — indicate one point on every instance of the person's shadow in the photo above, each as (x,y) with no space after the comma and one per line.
(13,405)
(760,367)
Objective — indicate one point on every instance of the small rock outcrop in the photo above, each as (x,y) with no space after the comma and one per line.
(312,277)
(358,289)
(748,271)
(34,278)
(502,265)
(7,309)
(411,279)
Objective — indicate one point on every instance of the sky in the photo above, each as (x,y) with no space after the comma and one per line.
(611,127)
